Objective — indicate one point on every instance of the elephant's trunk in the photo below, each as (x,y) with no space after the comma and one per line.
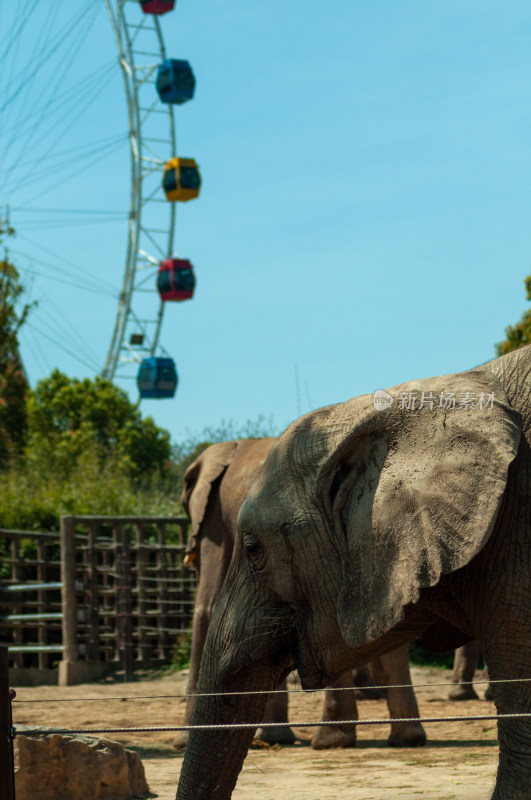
(248,648)
(214,758)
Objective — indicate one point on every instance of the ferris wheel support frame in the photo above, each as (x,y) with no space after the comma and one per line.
(144,163)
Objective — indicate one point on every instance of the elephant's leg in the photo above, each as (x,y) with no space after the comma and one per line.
(401,702)
(465,663)
(514,735)
(364,683)
(337,706)
(276,710)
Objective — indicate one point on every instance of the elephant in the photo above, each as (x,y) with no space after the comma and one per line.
(418,500)
(465,662)
(214,488)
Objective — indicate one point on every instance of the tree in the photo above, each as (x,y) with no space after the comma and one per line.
(13,383)
(68,417)
(519,334)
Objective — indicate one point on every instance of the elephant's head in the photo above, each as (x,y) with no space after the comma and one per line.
(223,470)
(389,500)
(355,512)
(199,478)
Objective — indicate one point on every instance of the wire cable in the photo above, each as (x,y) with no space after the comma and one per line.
(99,286)
(92,366)
(13,37)
(67,62)
(227,726)
(26,78)
(69,177)
(273,691)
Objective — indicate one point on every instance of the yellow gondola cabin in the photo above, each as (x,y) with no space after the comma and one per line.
(181,180)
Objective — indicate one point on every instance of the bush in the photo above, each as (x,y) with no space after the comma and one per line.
(181,653)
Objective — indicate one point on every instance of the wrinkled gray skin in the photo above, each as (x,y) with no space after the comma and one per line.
(214,488)
(424,519)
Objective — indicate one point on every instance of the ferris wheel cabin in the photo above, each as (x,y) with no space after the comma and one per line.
(157,7)
(175,279)
(157,378)
(175,81)
(181,180)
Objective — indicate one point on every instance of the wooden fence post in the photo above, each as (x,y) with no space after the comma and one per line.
(16,577)
(7,773)
(126,606)
(91,565)
(162,593)
(68,598)
(142,596)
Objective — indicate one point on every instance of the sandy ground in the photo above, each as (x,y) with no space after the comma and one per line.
(458,763)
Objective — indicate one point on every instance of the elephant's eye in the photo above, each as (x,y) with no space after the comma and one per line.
(254,551)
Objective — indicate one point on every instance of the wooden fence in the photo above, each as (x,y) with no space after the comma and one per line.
(106,592)
(30,602)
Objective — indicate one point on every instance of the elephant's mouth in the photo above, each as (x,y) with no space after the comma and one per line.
(310,665)
(321,654)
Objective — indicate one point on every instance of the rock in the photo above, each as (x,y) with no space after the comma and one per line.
(57,767)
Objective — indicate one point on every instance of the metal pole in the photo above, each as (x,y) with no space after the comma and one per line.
(7,772)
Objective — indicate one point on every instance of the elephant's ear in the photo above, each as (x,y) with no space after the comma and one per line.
(417,491)
(197,485)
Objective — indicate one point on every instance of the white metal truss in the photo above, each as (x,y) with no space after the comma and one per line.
(152,218)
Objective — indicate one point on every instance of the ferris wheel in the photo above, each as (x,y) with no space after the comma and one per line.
(139,38)
(154,84)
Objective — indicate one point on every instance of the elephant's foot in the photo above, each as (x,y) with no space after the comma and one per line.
(462,691)
(330,736)
(410,734)
(276,734)
(181,740)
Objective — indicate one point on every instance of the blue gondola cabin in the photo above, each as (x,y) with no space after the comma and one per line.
(181,180)
(157,7)
(175,81)
(157,378)
(175,279)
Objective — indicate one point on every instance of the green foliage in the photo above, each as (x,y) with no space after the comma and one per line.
(68,418)
(33,497)
(87,451)
(13,384)
(420,655)
(519,334)
(181,653)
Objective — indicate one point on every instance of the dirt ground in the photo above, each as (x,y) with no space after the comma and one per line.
(458,763)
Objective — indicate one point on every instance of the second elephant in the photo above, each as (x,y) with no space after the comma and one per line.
(215,486)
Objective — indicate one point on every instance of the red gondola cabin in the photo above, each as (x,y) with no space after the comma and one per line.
(176,279)
(157,6)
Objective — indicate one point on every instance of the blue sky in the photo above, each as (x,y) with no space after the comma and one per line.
(364,216)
